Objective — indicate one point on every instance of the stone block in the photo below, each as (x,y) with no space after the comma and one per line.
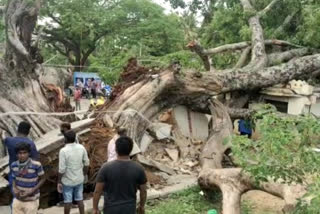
(162,130)
(145,142)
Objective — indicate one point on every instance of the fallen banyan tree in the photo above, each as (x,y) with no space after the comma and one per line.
(142,94)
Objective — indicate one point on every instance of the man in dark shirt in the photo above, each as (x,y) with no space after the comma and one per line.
(11,142)
(119,180)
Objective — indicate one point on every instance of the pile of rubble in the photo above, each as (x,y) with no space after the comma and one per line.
(170,147)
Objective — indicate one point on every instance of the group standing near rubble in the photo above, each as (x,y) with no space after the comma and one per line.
(90,90)
(118,180)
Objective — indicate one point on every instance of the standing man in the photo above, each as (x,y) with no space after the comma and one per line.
(119,180)
(79,83)
(93,88)
(73,166)
(11,143)
(65,127)
(77,98)
(112,154)
(28,177)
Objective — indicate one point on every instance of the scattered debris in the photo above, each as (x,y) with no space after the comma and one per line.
(154,180)
(173,154)
(155,164)
(165,117)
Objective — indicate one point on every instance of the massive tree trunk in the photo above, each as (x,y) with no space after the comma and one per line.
(149,93)
(142,95)
(20,89)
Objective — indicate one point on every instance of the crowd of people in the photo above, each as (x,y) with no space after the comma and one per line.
(118,179)
(90,90)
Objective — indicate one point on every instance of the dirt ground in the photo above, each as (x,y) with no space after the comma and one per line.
(263,203)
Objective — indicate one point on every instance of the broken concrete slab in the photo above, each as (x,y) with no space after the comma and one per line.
(155,164)
(162,130)
(145,142)
(191,124)
(173,154)
(135,150)
(199,126)
(53,140)
(180,114)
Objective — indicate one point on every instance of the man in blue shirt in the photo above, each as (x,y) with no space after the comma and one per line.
(245,127)
(28,177)
(11,142)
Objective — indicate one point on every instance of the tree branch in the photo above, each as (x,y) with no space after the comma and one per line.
(258,56)
(240,113)
(277,58)
(243,58)
(267,8)
(198,49)
(246,79)
(228,47)
(59,49)
(2,10)
(243,45)
(287,20)
(55,19)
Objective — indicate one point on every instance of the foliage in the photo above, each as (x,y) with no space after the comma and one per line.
(309,30)
(188,201)
(229,25)
(116,63)
(154,32)
(111,73)
(79,28)
(284,151)
(75,27)
(312,206)
(187,59)
(191,202)
(225,22)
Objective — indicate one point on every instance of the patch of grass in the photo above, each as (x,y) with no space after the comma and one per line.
(186,202)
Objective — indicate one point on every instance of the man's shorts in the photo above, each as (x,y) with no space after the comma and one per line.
(70,191)
(22,207)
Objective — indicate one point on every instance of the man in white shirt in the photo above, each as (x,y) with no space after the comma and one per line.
(73,166)
(112,154)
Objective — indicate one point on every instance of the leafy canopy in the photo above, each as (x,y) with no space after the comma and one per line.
(285,151)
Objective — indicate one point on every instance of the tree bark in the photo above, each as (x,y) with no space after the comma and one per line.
(21,89)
